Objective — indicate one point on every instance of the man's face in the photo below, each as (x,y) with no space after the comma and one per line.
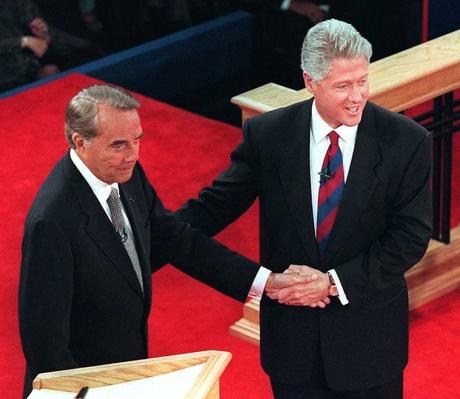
(341,95)
(113,152)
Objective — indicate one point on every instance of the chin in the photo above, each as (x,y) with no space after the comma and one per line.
(122,177)
(352,121)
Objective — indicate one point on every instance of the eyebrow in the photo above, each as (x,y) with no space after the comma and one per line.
(349,80)
(117,142)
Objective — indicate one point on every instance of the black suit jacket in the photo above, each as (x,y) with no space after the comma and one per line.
(80,302)
(382,228)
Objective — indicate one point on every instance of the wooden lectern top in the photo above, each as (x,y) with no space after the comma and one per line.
(206,385)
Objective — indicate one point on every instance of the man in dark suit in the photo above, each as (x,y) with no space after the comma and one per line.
(93,236)
(357,239)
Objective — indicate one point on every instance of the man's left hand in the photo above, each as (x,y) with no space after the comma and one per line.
(279,281)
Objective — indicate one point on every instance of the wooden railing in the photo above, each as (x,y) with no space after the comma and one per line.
(398,82)
(430,71)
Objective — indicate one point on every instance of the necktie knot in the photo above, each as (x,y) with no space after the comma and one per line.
(113,192)
(115,209)
(334,138)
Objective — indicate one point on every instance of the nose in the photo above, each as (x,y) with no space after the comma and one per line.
(132,152)
(355,94)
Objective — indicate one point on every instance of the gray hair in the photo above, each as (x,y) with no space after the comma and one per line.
(81,114)
(328,40)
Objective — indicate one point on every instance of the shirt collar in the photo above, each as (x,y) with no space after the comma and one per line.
(99,188)
(320,129)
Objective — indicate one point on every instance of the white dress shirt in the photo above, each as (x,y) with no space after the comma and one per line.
(319,144)
(100,189)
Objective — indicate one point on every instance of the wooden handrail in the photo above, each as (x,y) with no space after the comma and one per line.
(397,82)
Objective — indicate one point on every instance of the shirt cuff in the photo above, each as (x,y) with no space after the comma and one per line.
(342,296)
(285,4)
(258,285)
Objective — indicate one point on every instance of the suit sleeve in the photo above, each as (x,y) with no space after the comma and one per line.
(45,298)
(229,196)
(197,255)
(405,237)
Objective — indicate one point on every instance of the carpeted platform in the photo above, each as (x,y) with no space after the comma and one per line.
(180,152)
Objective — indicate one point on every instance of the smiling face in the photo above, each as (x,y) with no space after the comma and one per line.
(341,95)
(112,154)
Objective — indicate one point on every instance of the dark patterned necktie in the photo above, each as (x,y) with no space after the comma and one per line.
(330,191)
(120,227)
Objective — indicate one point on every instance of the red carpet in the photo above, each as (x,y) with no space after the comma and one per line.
(181,152)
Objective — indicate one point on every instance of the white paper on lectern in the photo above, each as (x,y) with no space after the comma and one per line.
(174,385)
(50,394)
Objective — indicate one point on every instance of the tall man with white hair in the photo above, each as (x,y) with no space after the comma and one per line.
(344,190)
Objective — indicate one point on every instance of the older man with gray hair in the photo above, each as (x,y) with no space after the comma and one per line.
(344,190)
(93,236)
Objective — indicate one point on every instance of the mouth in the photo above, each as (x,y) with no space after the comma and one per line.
(353,110)
(126,168)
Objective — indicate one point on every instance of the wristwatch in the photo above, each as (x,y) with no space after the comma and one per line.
(333,291)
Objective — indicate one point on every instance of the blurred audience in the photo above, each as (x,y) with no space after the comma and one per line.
(28,48)
(121,24)
(38,41)
(31,48)
(391,25)
(281,28)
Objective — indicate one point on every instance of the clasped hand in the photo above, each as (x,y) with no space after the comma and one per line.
(299,285)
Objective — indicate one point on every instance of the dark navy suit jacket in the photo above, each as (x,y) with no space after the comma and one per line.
(382,229)
(80,302)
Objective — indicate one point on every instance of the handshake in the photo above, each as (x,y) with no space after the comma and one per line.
(299,286)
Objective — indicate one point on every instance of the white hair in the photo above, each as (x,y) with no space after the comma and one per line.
(81,113)
(328,40)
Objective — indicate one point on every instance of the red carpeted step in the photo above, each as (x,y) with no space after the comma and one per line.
(180,152)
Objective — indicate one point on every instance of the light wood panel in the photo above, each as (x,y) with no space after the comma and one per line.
(397,82)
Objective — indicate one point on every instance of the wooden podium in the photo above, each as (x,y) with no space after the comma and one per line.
(206,385)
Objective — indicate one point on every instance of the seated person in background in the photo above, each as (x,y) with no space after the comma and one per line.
(120,24)
(28,50)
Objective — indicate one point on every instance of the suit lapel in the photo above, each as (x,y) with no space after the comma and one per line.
(293,169)
(99,227)
(360,184)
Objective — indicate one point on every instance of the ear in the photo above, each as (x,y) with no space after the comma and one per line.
(78,141)
(309,83)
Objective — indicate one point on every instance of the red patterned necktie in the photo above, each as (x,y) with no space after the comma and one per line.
(330,191)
